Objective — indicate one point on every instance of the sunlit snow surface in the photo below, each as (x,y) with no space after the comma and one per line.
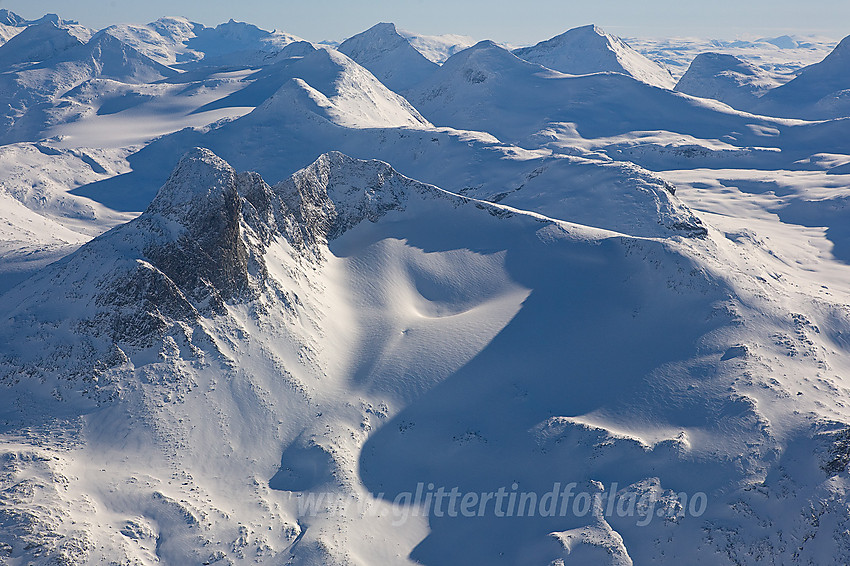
(454,269)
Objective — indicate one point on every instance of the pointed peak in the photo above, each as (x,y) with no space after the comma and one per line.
(379,30)
(201,180)
(104,37)
(326,55)
(207,258)
(117,59)
(380,37)
(384,27)
(485,46)
(294,95)
(42,41)
(486,53)
(575,37)
(589,49)
(389,56)
(49,19)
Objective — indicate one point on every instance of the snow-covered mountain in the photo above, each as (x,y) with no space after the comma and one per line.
(339,106)
(33,91)
(819,91)
(389,56)
(488,88)
(11,24)
(677,53)
(163,40)
(728,79)
(437,48)
(326,319)
(327,81)
(259,307)
(177,41)
(589,49)
(41,41)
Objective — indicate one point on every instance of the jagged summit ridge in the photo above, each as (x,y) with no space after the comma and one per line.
(337,192)
(201,180)
(199,246)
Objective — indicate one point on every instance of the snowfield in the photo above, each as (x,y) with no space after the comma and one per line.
(421,299)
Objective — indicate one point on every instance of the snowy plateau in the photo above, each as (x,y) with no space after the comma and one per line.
(411,299)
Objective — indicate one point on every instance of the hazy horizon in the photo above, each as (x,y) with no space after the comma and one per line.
(508,23)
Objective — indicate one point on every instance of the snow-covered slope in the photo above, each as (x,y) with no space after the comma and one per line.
(42,41)
(11,24)
(240,350)
(42,220)
(327,81)
(677,53)
(488,88)
(389,56)
(301,120)
(632,297)
(727,79)
(32,93)
(163,40)
(589,49)
(109,57)
(238,44)
(819,91)
(437,48)
(177,41)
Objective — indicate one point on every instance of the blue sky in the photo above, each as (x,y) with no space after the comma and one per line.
(520,21)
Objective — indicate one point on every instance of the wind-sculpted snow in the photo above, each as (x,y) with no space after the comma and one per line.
(200,244)
(330,317)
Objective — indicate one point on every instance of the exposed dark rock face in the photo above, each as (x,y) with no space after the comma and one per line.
(138,306)
(143,292)
(208,261)
(145,286)
(337,192)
